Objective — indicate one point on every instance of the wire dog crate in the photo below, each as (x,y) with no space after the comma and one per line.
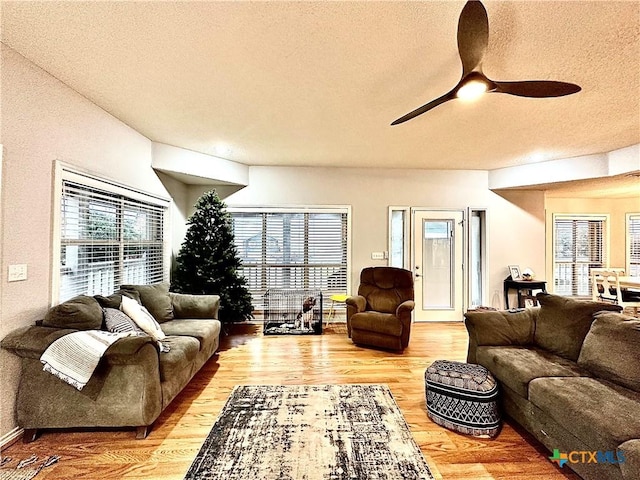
(292,312)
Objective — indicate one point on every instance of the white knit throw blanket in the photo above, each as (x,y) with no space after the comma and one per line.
(75,356)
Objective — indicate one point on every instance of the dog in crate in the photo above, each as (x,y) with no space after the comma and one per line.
(305,315)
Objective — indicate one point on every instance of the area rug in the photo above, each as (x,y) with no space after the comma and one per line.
(310,432)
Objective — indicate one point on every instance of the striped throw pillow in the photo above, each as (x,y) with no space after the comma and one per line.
(119,322)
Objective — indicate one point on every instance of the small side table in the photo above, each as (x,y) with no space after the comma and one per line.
(524,289)
(337,298)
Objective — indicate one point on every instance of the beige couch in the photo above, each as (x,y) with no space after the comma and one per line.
(133,382)
(569,373)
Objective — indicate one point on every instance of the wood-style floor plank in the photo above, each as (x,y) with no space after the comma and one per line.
(247,357)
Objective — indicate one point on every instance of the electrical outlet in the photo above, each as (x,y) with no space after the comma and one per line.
(17,272)
(377,255)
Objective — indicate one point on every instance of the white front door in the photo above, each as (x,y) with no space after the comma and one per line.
(437,246)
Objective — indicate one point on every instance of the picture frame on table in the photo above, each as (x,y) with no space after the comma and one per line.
(514,271)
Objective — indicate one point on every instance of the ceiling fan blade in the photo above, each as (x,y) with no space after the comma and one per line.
(537,88)
(425,108)
(473,35)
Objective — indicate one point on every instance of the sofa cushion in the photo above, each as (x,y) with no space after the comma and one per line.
(155,298)
(80,313)
(564,322)
(516,366)
(112,301)
(600,413)
(205,331)
(180,357)
(194,306)
(385,323)
(611,349)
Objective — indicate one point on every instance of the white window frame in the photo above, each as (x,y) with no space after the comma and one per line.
(605,241)
(631,269)
(65,172)
(307,209)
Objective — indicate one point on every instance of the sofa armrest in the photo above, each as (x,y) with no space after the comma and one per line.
(355,304)
(32,341)
(631,465)
(499,328)
(403,312)
(405,308)
(195,306)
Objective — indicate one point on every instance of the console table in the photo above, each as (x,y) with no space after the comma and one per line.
(524,289)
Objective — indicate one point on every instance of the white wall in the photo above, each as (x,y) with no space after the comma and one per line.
(177,212)
(515,220)
(44,120)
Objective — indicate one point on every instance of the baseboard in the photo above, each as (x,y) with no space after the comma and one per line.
(11,437)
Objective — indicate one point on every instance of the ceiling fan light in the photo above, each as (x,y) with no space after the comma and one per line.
(472,90)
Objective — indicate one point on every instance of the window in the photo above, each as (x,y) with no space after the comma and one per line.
(579,245)
(292,248)
(633,244)
(399,237)
(108,236)
(477,256)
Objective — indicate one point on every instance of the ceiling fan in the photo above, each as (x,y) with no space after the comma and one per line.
(473,37)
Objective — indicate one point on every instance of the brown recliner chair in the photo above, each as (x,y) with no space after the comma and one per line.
(380,315)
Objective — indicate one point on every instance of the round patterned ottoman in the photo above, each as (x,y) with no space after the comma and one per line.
(462,397)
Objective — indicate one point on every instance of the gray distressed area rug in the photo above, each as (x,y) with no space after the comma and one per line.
(310,432)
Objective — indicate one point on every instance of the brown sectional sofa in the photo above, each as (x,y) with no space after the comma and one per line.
(133,382)
(569,373)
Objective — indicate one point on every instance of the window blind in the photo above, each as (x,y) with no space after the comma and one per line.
(292,249)
(633,244)
(106,240)
(579,246)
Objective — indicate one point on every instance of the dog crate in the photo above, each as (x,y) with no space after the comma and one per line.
(292,312)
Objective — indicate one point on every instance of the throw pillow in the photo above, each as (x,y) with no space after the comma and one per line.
(142,318)
(193,306)
(564,322)
(501,327)
(81,313)
(112,301)
(155,298)
(118,322)
(610,349)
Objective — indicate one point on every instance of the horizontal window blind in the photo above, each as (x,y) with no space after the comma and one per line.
(579,246)
(106,240)
(292,249)
(633,244)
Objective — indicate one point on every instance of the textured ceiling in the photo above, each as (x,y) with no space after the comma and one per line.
(618,186)
(318,83)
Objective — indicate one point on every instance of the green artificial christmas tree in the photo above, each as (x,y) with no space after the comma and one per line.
(208,261)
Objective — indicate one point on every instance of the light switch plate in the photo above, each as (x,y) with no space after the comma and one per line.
(377,255)
(17,272)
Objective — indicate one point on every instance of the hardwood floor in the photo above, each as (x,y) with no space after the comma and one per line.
(247,357)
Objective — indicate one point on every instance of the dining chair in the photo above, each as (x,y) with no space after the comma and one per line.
(605,287)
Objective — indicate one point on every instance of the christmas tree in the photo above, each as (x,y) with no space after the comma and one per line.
(208,261)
